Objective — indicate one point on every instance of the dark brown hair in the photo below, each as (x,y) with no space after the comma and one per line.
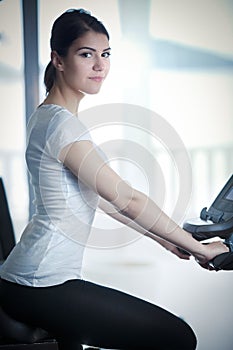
(68,27)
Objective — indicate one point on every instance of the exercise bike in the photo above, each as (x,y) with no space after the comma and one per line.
(217,221)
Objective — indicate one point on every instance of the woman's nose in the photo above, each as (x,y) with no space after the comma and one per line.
(99,65)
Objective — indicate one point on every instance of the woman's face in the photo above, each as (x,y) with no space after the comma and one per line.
(87,63)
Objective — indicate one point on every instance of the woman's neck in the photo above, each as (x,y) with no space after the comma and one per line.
(68,101)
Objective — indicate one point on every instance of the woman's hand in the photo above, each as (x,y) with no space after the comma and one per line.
(211,251)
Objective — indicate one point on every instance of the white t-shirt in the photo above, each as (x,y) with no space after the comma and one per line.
(51,247)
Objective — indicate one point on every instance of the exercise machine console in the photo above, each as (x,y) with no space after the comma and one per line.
(217,221)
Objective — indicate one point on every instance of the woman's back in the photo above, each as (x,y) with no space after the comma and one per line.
(51,248)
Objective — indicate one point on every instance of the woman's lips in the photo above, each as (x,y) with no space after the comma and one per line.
(97,79)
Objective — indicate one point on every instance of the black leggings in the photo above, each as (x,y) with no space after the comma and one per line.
(80,312)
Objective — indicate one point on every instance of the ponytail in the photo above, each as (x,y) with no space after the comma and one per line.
(49,77)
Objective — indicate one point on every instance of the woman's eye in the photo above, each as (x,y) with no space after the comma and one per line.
(86,54)
(106,54)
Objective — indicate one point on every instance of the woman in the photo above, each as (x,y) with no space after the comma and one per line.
(41,279)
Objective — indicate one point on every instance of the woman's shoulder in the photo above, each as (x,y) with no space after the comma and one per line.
(56,116)
(52,110)
(58,122)
(61,122)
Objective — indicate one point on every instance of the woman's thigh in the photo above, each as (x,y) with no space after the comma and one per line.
(84,312)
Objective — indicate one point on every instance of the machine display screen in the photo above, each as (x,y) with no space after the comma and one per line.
(229,195)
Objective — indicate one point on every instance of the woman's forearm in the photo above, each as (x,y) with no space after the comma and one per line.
(158,230)
(111,211)
(147,215)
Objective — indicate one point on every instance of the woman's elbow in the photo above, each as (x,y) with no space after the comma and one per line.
(133,204)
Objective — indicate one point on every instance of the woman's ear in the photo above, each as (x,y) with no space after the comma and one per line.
(57,61)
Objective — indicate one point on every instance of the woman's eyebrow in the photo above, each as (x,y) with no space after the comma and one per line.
(91,48)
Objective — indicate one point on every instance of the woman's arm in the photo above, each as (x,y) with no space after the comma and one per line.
(86,163)
(110,210)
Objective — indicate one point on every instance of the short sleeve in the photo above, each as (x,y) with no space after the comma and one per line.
(64,130)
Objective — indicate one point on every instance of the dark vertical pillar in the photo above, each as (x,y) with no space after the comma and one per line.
(31,65)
